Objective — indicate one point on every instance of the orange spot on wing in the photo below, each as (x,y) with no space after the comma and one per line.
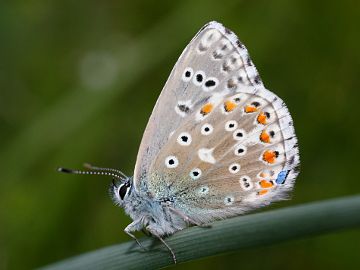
(270,156)
(266,184)
(261,118)
(250,109)
(206,109)
(229,106)
(263,191)
(265,137)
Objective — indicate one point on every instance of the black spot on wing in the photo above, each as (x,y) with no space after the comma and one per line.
(297,169)
(199,77)
(184,108)
(225,67)
(240,44)
(210,83)
(217,55)
(202,48)
(291,160)
(257,79)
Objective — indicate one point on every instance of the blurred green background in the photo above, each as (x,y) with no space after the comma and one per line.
(78,80)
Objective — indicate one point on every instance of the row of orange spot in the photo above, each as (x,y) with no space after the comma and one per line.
(229,106)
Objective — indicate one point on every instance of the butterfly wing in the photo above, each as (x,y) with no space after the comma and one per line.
(181,95)
(217,143)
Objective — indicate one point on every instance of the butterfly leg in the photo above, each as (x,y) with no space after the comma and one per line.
(134,226)
(163,241)
(188,219)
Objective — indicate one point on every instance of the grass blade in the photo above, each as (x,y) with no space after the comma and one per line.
(237,233)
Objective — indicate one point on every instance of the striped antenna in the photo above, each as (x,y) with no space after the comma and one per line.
(93,170)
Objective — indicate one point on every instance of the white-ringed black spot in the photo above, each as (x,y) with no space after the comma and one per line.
(188,73)
(231,125)
(240,150)
(198,78)
(206,129)
(184,139)
(184,108)
(272,134)
(239,134)
(229,200)
(210,84)
(195,173)
(171,162)
(255,104)
(234,168)
(245,182)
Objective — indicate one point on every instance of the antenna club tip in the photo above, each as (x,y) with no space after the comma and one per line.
(64,170)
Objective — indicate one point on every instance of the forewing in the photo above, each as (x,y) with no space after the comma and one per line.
(184,91)
(226,144)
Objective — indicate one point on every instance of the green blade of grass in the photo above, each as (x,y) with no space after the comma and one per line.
(254,230)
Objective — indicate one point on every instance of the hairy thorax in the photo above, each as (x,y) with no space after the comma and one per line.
(155,214)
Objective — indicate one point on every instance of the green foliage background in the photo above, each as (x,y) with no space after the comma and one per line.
(78,80)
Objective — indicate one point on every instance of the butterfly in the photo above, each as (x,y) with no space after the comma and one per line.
(218,143)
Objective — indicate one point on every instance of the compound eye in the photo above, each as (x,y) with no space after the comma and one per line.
(122,191)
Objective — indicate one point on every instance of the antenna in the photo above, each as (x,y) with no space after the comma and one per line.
(91,167)
(93,170)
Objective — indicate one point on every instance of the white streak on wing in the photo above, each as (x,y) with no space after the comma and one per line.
(205,154)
